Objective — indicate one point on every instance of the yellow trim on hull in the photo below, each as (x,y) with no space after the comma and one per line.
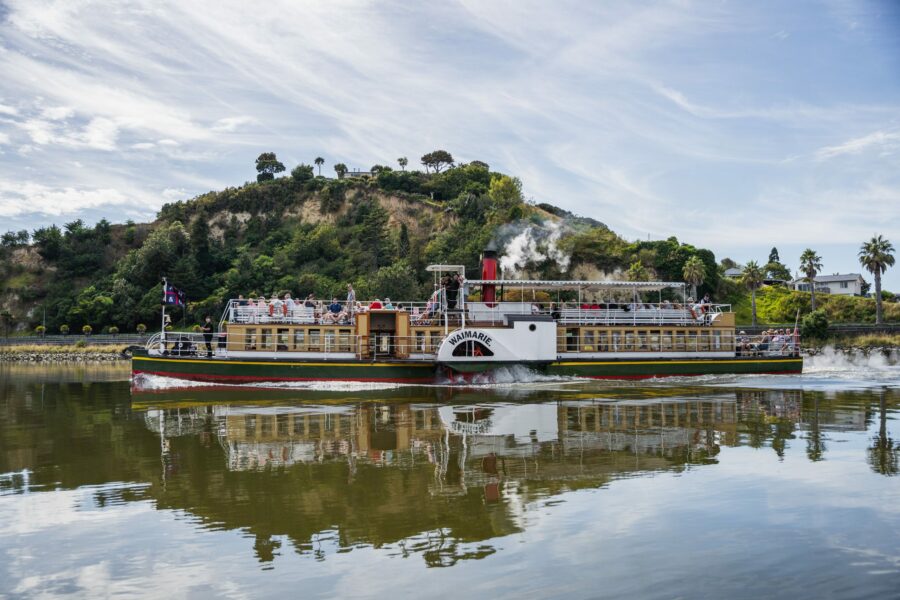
(282,362)
(679,362)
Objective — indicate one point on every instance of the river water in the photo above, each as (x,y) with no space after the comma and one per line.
(737,487)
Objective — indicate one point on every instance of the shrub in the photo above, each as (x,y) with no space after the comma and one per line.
(87,329)
(64,329)
(113,330)
(40,330)
(168,328)
(196,329)
(81,343)
(141,328)
(814,325)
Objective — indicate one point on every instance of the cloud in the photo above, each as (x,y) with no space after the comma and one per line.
(887,141)
(229,124)
(36,198)
(661,118)
(4,138)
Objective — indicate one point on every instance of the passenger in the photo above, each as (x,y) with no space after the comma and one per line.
(666,305)
(387,304)
(262,309)
(335,310)
(289,303)
(351,301)
(452,290)
(276,307)
(310,301)
(241,301)
(376,304)
(535,308)
(208,330)
(554,311)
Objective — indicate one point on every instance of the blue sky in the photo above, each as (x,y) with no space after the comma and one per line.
(736,126)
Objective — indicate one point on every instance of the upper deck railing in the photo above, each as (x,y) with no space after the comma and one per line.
(572,313)
(432,312)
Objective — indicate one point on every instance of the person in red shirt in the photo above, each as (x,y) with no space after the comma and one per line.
(375,305)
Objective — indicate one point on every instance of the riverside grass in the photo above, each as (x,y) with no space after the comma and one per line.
(63,349)
(866,341)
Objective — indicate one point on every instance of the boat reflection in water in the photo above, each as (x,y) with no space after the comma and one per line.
(442,478)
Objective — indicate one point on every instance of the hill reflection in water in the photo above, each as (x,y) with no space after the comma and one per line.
(441,476)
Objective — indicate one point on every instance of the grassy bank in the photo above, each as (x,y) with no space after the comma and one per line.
(865,341)
(776,304)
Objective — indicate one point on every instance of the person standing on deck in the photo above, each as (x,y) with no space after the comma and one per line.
(452,291)
(351,301)
(208,329)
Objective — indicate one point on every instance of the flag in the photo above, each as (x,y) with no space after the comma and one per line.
(173,296)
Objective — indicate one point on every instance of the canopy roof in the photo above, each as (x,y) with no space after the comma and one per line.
(446,268)
(594,286)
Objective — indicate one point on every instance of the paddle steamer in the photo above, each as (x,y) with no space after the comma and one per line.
(594,329)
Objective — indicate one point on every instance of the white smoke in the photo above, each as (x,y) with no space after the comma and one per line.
(532,243)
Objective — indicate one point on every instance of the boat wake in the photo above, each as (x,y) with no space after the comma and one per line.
(151,383)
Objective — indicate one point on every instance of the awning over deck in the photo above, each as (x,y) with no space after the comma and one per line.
(590,286)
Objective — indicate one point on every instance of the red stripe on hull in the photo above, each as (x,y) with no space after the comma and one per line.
(256,379)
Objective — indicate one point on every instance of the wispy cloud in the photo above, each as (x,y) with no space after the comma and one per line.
(884,141)
(658,118)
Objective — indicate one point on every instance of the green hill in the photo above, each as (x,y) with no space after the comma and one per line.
(307,234)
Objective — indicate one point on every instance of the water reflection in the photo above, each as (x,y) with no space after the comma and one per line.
(442,475)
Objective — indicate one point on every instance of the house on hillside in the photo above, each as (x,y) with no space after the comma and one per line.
(850,284)
(734,272)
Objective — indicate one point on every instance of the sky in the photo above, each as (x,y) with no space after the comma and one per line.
(736,126)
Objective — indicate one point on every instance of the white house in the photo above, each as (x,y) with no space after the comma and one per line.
(849,284)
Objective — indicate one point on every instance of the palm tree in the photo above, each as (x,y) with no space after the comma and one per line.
(694,273)
(403,161)
(753,277)
(876,256)
(319,162)
(810,265)
(341,170)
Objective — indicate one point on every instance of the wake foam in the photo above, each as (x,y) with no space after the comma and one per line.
(835,361)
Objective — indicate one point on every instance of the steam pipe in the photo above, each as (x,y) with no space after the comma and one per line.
(489,272)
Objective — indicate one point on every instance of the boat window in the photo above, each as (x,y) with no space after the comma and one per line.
(603,342)
(299,339)
(330,340)
(629,341)
(703,341)
(250,339)
(679,341)
(588,340)
(665,341)
(282,340)
(314,338)
(344,340)
(571,340)
(654,340)
(472,348)
(420,341)
(691,341)
(436,338)
(266,340)
(616,339)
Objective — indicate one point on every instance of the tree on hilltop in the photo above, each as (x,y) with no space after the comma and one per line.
(267,164)
(876,256)
(402,161)
(319,162)
(302,172)
(437,160)
(773,255)
(811,265)
(341,170)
